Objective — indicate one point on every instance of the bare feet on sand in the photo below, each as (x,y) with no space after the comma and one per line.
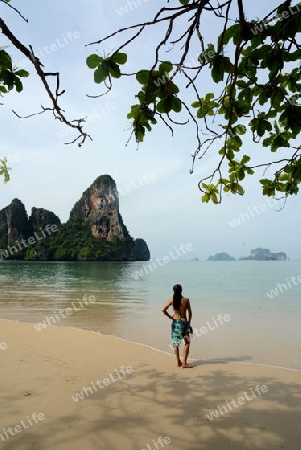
(184,365)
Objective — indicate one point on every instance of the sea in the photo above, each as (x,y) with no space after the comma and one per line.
(245,312)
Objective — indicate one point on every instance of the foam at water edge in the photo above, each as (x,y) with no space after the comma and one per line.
(161,351)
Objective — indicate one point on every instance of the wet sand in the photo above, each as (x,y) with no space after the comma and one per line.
(64,388)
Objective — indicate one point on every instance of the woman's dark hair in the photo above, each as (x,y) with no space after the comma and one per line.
(177,296)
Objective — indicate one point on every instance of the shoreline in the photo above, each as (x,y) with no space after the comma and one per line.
(207,361)
(46,374)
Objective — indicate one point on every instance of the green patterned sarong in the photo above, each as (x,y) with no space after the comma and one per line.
(179,329)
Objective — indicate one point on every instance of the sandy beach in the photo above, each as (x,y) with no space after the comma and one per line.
(64,388)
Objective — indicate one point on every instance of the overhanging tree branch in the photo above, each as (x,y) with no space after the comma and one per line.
(255,68)
(56,109)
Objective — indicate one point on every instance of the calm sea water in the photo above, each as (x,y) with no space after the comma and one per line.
(259,329)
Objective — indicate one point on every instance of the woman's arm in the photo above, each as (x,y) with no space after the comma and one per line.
(189,311)
(164,310)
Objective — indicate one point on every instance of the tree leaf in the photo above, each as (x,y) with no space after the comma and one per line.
(99,75)
(114,70)
(176,104)
(22,73)
(93,60)
(119,58)
(217,70)
(143,76)
(165,67)
(18,84)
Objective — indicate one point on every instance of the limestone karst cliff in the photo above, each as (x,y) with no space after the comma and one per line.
(94,232)
(99,205)
(264,254)
(16,222)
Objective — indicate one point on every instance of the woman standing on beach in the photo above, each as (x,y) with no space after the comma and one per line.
(180,326)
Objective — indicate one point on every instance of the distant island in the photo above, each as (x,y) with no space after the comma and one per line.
(264,254)
(258,254)
(94,232)
(221,257)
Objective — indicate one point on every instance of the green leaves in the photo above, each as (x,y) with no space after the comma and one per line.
(142,117)
(230,33)
(158,95)
(211,193)
(260,125)
(9,79)
(220,65)
(93,60)
(5,60)
(290,119)
(206,106)
(286,180)
(9,76)
(119,58)
(143,76)
(4,169)
(22,73)
(106,67)
(100,75)
(256,66)
(277,140)
(176,104)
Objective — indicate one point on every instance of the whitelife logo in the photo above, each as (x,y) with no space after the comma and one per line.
(3,346)
(31,241)
(162,261)
(280,288)
(99,113)
(129,6)
(54,318)
(244,217)
(204,329)
(241,401)
(24,424)
(60,42)
(106,382)
(284,15)
(161,440)
(135,184)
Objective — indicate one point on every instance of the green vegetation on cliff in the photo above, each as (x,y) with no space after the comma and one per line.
(74,241)
(94,232)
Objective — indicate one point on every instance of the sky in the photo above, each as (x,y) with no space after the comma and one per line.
(159,199)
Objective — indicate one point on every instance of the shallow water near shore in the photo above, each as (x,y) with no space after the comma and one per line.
(233,317)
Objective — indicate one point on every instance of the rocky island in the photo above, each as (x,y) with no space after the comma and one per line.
(264,254)
(221,257)
(94,232)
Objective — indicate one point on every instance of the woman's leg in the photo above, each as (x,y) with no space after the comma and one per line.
(185,365)
(176,350)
